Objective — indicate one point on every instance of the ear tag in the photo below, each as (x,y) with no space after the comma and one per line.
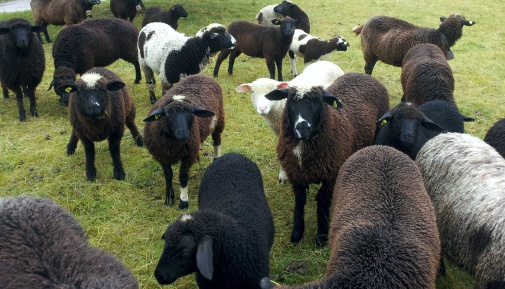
(335,104)
(248,89)
(383,122)
(156,116)
(68,89)
(471,22)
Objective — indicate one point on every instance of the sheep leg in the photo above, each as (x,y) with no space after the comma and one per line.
(169,190)
(150,83)
(30,93)
(298,214)
(165,87)
(115,153)
(278,62)
(216,138)
(292,59)
(19,100)
(323,199)
(5,91)
(283,177)
(152,95)
(234,54)
(369,64)
(46,34)
(222,56)
(271,67)
(130,123)
(89,149)
(183,178)
(138,75)
(72,143)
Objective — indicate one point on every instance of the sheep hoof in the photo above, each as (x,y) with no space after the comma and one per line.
(22,117)
(120,175)
(139,141)
(296,236)
(321,240)
(91,175)
(183,205)
(70,149)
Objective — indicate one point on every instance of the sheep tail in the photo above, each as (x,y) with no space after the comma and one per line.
(357,29)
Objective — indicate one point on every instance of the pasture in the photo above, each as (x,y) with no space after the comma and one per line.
(127,218)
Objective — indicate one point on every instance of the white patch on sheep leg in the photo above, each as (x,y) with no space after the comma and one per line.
(184,194)
(293,66)
(297,151)
(213,123)
(217,151)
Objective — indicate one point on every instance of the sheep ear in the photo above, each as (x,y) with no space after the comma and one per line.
(430,125)
(467,118)
(468,22)
(115,85)
(277,94)
(155,115)
(205,258)
(51,84)
(332,100)
(442,18)
(244,87)
(384,119)
(202,112)
(282,85)
(66,88)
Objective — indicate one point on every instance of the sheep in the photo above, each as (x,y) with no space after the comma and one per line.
(99,108)
(426,75)
(465,177)
(408,127)
(43,246)
(125,9)
(319,73)
(388,39)
(383,230)
(289,9)
(170,17)
(60,12)
(311,48)
(178,123)
(267,14)
(495,136)
(173,55)
(74,50)
(316,139)
(228,240)
(22,62)
(271,43)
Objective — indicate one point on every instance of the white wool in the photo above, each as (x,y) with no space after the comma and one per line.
(90,79)
(184,194)
(319,73)
(269,15)
(207,28)
(186,217)
(179,97)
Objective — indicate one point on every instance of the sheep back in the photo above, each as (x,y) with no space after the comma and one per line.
(495,136)
(60,12)
(124,9)
(170,17)
(465,178)
(43,246)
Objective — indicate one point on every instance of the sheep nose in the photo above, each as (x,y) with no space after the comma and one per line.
(303,130)
(23,44)
(159,277)
(182,134)
(408,138)
(93,109)
(263,110)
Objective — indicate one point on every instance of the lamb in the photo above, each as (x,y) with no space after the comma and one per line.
(125,9)
(22,62)
(73,53)
(99,108)
(173,55)
(321,73)
(230,235)
(465,177)
(43,246)
(311,48)
(495,136)
(388,39)
(178,123)
(383,228)
(408,127)
(267,14)
(60,12)
(170,17)
(289,9)
(426,75)
(271,43)
(316,139)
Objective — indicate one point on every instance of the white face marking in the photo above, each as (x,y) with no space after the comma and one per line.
(179,97)
(90,79)
(186,217)
(298,121)
(184,194)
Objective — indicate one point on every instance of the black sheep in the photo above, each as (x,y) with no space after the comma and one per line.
(289,9)
(170,17)
(22,62)
(227,241)
(495,136)
(125,9)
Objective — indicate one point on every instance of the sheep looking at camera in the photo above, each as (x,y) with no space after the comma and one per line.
(125,9)
(170,17)
(388,39)
(227,241)
(465,177)
(495,136)
(43,246)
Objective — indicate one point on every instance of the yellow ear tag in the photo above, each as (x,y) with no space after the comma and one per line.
(471,22)
(383,122)
(156,116)
(68,89)
(248,89)
(277,284)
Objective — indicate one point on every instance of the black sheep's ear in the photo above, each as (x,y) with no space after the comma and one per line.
(384,119)
(115,85)
(202,112)
(332,100)
(277,94)
(430,125)
(442,18)
(468,22)
(51,84)
(66,88)
(205,257)
(467,118)
(163,236)
(155,115)
(38,29)
(276,22)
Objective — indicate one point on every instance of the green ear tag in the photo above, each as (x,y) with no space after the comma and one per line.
(335,104)
(384,122)
(68,89)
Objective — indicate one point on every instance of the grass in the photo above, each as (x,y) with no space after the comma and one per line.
(127,217)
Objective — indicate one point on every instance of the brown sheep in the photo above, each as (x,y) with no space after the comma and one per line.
(170,17)
(125,9)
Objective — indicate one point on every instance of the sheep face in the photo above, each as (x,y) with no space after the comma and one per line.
(304,108)
(284,8)
(20,32)
(287,28)
(178,11)
(258,89)
(218,39)
(178,117)
(341,43)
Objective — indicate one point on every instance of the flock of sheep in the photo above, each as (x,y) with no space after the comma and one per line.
(400,187)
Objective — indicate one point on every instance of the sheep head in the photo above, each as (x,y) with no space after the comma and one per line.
(258,89)
(217,37)
(20,32)
(63,76)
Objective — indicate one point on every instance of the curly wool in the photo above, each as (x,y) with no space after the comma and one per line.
(495,136)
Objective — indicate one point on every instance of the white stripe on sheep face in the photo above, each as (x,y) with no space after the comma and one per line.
(91,79)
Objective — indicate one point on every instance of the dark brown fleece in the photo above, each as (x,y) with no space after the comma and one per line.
(170,17)
(495,136)
(124,9)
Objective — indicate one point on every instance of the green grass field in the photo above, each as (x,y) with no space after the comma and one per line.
(127,218)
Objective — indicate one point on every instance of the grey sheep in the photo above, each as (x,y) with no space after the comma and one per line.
(60,12)
(383,231)
(178,123)
(170,17)
(315,138)
(388,39)
(495,136)
(99,108)
(227,241)
(22,62)
(43,246)
(125,9)
(465,178)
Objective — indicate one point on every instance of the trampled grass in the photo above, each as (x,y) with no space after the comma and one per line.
(127,217)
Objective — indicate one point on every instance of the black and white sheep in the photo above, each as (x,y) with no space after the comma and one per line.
(99,108)
(22,62)
(43,246)
(321,73)
(75,49)
(465,177)
(267,14)
(426,75)
(271,43)
(316,138)
(178,123)
(408,127)
(291,10)
(383,231)
(173,55)
(60,12)
(170,17)
(125,9)
(311,48)
(495,136)
(228,240)
(388,39)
